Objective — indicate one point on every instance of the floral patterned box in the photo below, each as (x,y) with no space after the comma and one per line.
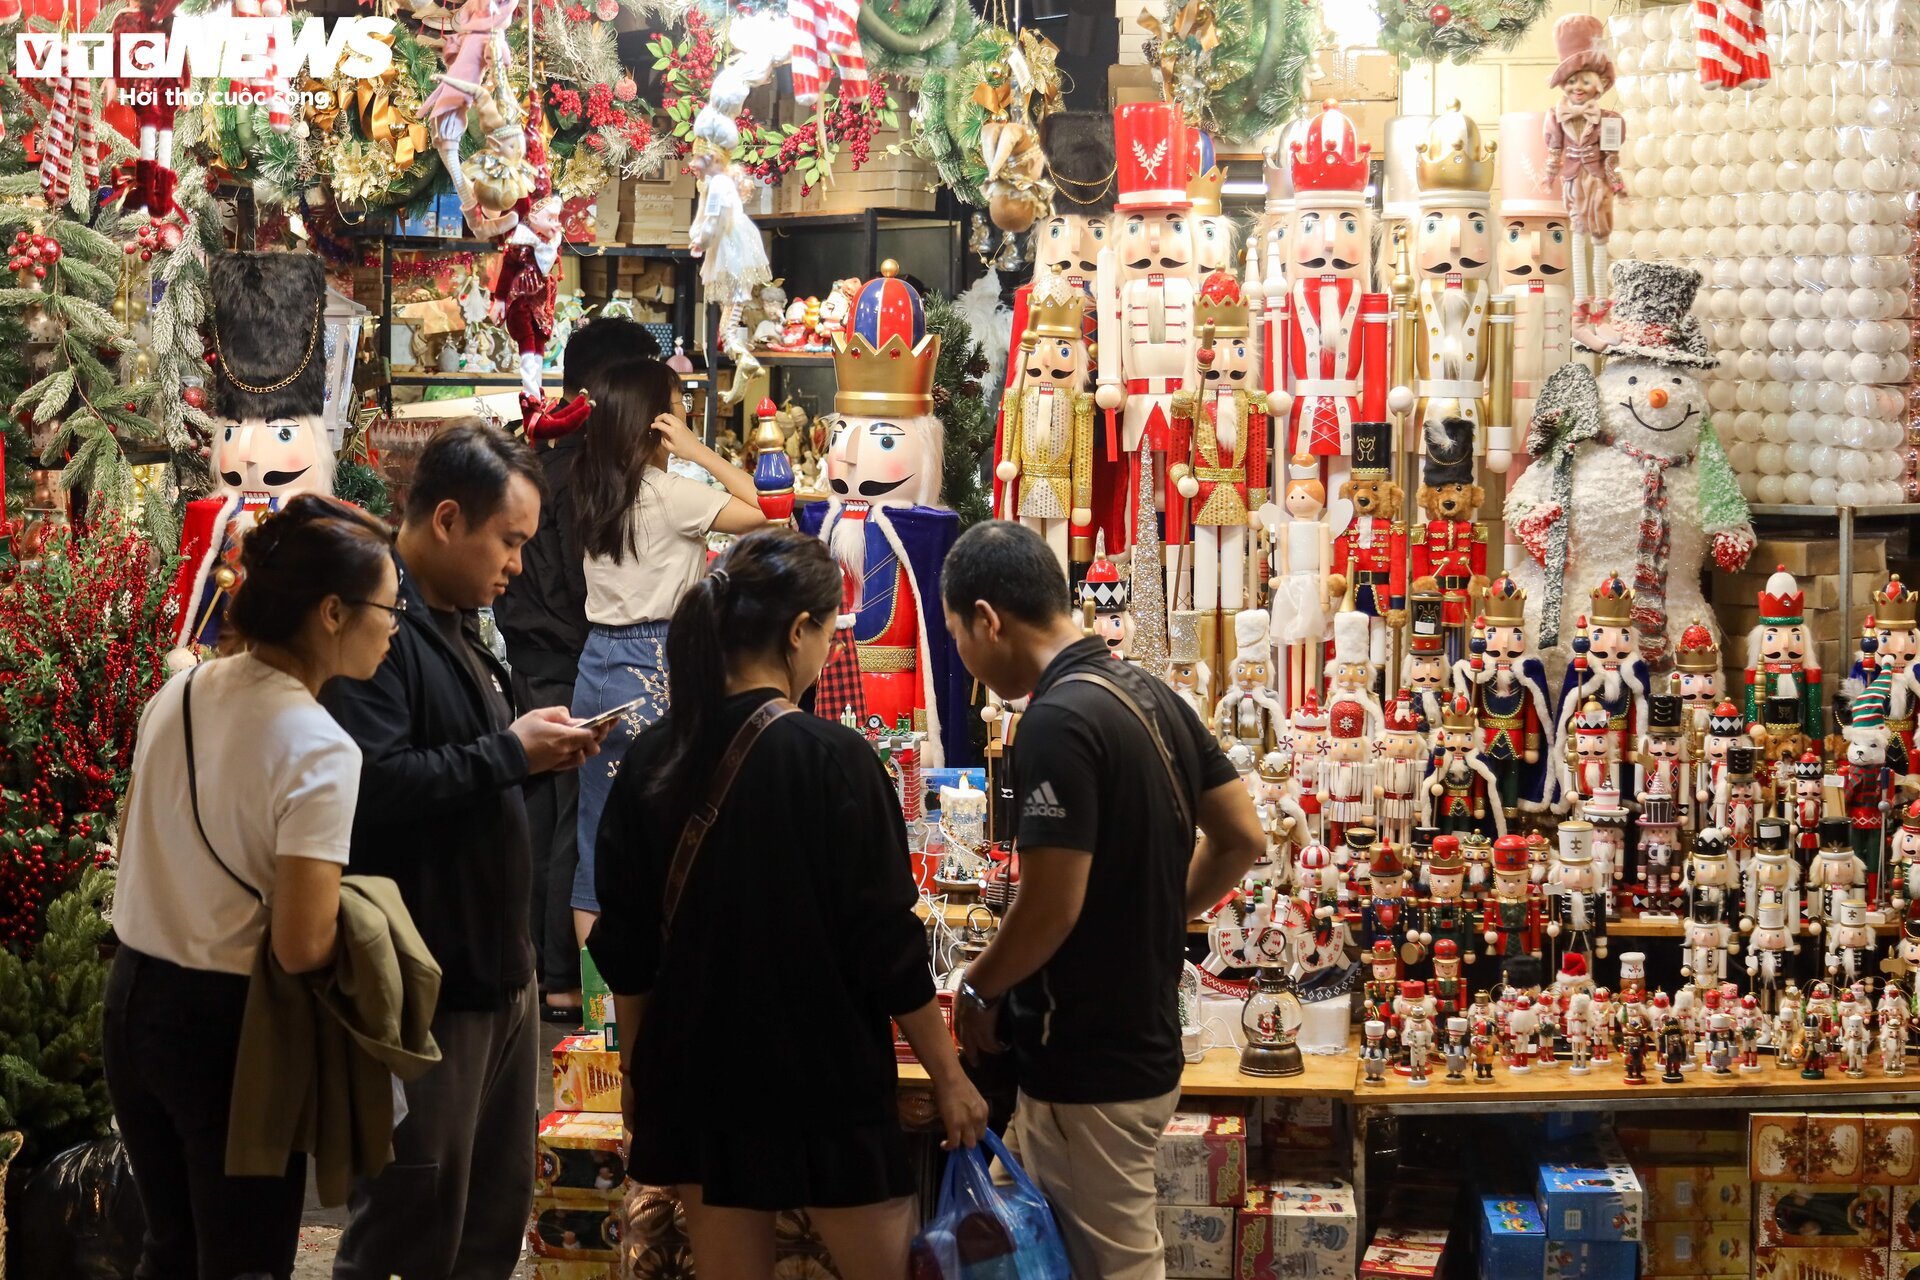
(1202,1159)
(1797,1264)
(1297,1229)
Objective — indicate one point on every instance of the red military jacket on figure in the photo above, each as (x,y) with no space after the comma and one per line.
(1453,552)
(1336,380)
(1373,548)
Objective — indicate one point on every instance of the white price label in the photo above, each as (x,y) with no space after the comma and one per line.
(1613,132)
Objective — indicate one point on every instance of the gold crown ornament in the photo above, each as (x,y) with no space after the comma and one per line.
(1061,315)
(1204,190)
(1455,167)
(1457,716)
(1505,604)
(883,363)
(1893,605)
(1612,603)
(1228,318)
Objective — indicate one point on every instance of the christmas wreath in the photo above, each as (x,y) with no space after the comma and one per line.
(1428,31)
(1238,68)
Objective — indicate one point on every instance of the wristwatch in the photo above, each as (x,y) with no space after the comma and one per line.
(978,1001)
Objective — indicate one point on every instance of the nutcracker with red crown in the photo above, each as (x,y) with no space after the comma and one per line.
(1866,780)
(1510,920)
(1781,662)
(1349,773)
(269,439)
(1450,546)
(1903,860)
(1146,285)
(1424,672)
(1382,983)
(1046,459)
(884,472)
(1897,640)
(1576,898)
(1462,335)
(1459,781)
(1399,771)
(1331,369)
(1224,476)
(1370,554)
(1509,688)
(1607,668)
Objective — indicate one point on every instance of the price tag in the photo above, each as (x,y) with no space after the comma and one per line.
(1613,132)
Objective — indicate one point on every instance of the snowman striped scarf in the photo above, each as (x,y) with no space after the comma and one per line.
(1656,548)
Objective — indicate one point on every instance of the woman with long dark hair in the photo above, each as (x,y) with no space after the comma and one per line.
(645,531)
(758,931)
(238,818)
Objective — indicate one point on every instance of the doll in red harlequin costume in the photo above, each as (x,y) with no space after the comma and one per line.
(1450,546)
(1607,668)
(1460,351)
(884,473)
(1331,367)
(1047,430)
(1583,154)
(1370,554)
(1781,661)
(1146,287)
(269,439)
(1509,689)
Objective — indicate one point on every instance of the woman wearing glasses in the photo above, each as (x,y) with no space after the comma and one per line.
(238,816)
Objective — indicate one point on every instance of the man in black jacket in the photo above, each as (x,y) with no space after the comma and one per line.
(440,812)
(543,618)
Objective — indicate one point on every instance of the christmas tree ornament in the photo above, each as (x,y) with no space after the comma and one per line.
(1458,32)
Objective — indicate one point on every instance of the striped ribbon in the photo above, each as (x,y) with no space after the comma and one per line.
(826,31)
(1730,42)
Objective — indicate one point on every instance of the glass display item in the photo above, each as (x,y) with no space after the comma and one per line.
(1271,1019)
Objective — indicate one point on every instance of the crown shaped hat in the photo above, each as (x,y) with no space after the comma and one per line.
(1910,821)
(1612,602)
(1275,766)
(1591,719)
(1505,604)
(1205,176)
(1455,167)
(883,364)
(1457,716)
(1894,605)
(1697,653)
(1329,160)
(1400,717)
(1308,715)
(1221,305)
(1782,602)
(1059,315)
(1446,855)
(1183,635)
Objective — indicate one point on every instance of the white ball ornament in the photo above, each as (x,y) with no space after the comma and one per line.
(1797,456)
(1823,491)
(1750,364)
(1740,456)
(1818,144)
(1753,334)
(1770,489)
(1855,433)
(1831,397)
(1720,395)
(1800,426)
(1827,430)
(1799,487)
(1823,460)
(1773,399)
(1780,367)
(1809,335)
(1819,113)
(1851,494)
(1816,175)
(1808,365)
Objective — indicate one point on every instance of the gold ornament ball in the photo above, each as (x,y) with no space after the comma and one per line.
(224,578)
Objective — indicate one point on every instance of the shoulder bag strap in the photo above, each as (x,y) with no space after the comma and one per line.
(701,820)
(1182,800)
(193,788)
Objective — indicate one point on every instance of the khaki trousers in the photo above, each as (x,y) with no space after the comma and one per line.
(1094,1162)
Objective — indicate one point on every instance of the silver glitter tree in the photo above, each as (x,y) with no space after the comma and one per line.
(1149,581)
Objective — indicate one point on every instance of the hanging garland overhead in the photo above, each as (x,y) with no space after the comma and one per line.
(1238,68)
(1427,31)
(905,37)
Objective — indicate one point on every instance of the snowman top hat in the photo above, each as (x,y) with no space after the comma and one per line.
(1652,316)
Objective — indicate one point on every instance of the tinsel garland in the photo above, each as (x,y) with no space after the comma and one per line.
(1147,575)
(1246,74)
(1430,31)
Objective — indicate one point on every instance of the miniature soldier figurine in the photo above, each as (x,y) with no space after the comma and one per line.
(1425,670)
(1771,943)
(1781,660)
(1772,874)
(1747,1029)
(1523,1031)
(1445,916)
(1574,899)
(1851,943)
(1510,916)
(1349,774)
(1633,1052)
(1893,1030)
(1737,805)
(1815,1027)
(1318,880)
(1509,687)
(1787,1027)
(1448,987)
(1903,864)
(1544,1049)
(1602,1025)
(1591,764)
(1673,1050)
(1373,1055)
(1659,811)
(1838,874)
(1416,1033)
(1809,806)
(1607,667)
(1460,781)
(1610,819)
(1249,711)
(1449,547)
(1485,1049)
(1709,941)
(1456,1049)
(1047,460)
(1399,771)
(1720,1044)
(1725,731)
(1370,554)
(1696,679)
(1386,916)
(1855,1041)
(1580,1034)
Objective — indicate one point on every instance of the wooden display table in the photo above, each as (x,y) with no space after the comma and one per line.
(1218,1076)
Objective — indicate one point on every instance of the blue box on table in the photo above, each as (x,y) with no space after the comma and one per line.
(1513,1238)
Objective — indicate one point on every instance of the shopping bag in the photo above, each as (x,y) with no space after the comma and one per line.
(981,1231)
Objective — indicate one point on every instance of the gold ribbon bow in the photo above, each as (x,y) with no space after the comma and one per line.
(322,118)
(381,121)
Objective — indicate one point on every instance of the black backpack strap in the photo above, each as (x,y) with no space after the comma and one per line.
(193,787)
(1182,795)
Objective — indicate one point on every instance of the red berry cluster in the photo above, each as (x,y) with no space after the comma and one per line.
(33,252)
(148,241)
(565,101)
(600,109)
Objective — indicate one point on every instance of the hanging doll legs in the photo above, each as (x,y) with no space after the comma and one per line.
(1219,567)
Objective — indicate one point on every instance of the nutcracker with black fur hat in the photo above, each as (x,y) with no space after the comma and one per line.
(1424,669)
(1370,554)
(1249,711)
(269,439)
(1450,545)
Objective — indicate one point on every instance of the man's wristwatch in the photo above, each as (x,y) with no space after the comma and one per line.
(978,1001)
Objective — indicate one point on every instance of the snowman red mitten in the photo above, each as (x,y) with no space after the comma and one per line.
(1731,549)
(1535,529)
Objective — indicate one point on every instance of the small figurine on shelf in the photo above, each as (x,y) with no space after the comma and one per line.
(1710,875)
(1510,915)
(1816,1029)
(1673,1048)
(1893,1018)
(1449,547)
(1448,987)
(1373,1053)
(1709,940)
(1281,817)
(1903,860)
(1633,1052)
(1781,659)
(1455,1052)
(1590,765)
(1386,915)
(1737,804)
(1382,984)
(1544,1051)
(1851,943)
(1659,849)
(1809,806)
(1602,1023)
(1767,949)
(1720,1044)
(1606,667)
(1509,687)
(1783,743)
(1866,780)
(1306,731)
(1046,465)
(1188,674)
(1663,757)
(1370,554)
(1485,1047)
(1318,880)
(1610,819)
(1523,1033)
(1747,1020)
(1349,771)
(1249,711)
(1575,902)
(1788,1027)
(1838,874)
(797,335)
(1579,1029)
(1445,916)
(1416,1033)
(1459,781)
(1399,771)
(836,312)
(1305,583)
(1425,672)
(1772,874)
(1725,731)
(1855,1040)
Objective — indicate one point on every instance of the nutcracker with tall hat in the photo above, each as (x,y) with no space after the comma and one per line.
(1897,641)
(1838,873)
(1510,920)
(884,527)
(1866,780)
(1771,874)
(1349,766)
(1447,915)
(1607,668)
(1534,250)
(1146,287)
(1771,942)
(1331,367)
(1450,545)
(1781,661)
(1350,676)
(1709,941)
(1370,554)
(1424,671)
(1270,254)
(1249,712)
(1224,476)
(1508,684)
(1399,771)
(1696,679)
(1903,860)
(1663,758)
(1107,595)
(1576,897)
(1459,782)
(1188,672)
(1461,334)
(269,439)
(1851,942)
(1737,803)
(1047,444)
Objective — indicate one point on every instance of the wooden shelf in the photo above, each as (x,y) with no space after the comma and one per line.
(956,913)
(846,218)
(1638,927)
(1218,1076)
(1606,1083)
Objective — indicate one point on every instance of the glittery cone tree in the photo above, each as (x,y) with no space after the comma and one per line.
(1149,648)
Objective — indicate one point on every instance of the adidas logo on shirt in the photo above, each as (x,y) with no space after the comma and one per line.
(1043,803)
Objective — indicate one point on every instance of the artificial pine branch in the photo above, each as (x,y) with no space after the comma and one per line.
(962,409)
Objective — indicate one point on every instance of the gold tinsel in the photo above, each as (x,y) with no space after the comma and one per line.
(360,173)
(583,175)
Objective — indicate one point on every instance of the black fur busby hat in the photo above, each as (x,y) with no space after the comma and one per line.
(1080,163)
(1449,452)
(268,320)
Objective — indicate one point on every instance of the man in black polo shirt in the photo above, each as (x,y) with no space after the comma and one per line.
(1083,974)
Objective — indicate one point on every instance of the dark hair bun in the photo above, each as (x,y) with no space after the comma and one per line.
(312,548)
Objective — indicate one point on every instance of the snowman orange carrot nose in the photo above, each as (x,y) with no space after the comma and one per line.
(1657,397)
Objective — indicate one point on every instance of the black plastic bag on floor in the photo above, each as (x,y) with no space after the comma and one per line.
(76,1217)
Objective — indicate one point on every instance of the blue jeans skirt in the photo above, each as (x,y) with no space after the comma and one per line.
(619,665)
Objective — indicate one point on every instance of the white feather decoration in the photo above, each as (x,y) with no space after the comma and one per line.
(992,325)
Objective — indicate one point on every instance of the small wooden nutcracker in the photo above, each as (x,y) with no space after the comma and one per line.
(1385,914)
(1606,668)
(1399,771)
(1486,1048)
(1838,874)
(1373,1053)
(1591,764)
(1523,1036)
(1509,687)
(1445,914)
(1894,1017)
(1633,1051)
(1425,671)
(1789,1010)
(1450,546)
(1673,1048)
(1725,731)
(1046,466)
(1459,781)
(1856,1042)
(1720,1044)
(1455,1052)
(1510,916)
(1771,942)
(1604,1022)
(1281,817)
(1851,943)
(1781,660)
(1575,898)
(1350,769)
(1737,804)
(1747,1028)
(1382,984)
(1708,942)
(1903,862)
(1772,875)
(1866,781)
(1579,1027)
(1110,596)
(1249,711)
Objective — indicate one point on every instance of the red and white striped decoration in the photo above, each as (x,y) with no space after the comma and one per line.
(1730,41)
(280,101)
(826,38)
(86,147)
(56,159)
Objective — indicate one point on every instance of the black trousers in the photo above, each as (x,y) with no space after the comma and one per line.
(171,1037)
(553,806)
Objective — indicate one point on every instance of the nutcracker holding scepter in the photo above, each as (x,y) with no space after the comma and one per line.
(1047,465)
(1509,688)
(1607,668)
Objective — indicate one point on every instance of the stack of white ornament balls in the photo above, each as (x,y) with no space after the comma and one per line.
(1792,200)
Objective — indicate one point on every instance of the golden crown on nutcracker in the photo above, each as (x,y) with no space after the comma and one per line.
(1204,190)
(1455,166)
(1221,305)
(883,364)
(1893,605)
(1505,604)
(1612,602)
(1457,716)
(1697,652)
(1060,315)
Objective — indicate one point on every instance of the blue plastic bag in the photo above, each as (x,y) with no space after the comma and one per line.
(985,1232)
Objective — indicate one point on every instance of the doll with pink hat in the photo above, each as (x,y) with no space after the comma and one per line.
(1583,143)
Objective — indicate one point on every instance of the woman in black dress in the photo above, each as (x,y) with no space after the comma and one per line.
(754,1025)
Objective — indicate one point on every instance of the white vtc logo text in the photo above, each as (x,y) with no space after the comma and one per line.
(209,45)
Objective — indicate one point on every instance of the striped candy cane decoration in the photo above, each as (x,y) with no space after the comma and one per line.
(1706,49)
(841,35)
(807,53)
(86,148)
(280,100)
(1745,25)
(56,162)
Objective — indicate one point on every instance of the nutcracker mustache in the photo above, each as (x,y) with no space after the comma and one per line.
(1142,264)
(1321,261)
(1466,264)
(1545,269)
(271,479)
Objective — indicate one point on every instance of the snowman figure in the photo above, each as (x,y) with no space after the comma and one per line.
(1631,472)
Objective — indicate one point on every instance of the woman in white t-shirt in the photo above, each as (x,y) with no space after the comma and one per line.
(645,531)
(238,816)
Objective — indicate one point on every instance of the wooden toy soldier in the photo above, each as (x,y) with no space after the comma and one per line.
(1592,765)
(1663,756)
(1460,781)
(1725,731)
(1047,464)
(1772,874)
(1747,1030)
(1523,1032)
(1720,1043)
(1456,1049)
(1575,899)
(1450,545)
(1838,874)
(1485,1047)
(1580,1034)
(1696,680)
(1787,1027)
(1709,876)
(1903,863)
(1281,817)
(1851,943)
(1370,554)
(1446,916)
(1379,989)
(1399,770)
(1772,941)
(1897,636)
(1781,660)
(1673,1050)
(1415,1011)
(1893,1016)
(1249,711)
(1448,987)
(1188,673)
(1386,915)
(1545,1046)
(1855,1040)
(1603,1022)
(1349,768)
(1509,688)
(1373,1054)
(1510,916)
(1737,804)
(1606,667)
(1424,671)
(1708,942)
(1633,1050)
(1809,806)
(1816,1028)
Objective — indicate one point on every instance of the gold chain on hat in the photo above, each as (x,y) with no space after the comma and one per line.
(313,343)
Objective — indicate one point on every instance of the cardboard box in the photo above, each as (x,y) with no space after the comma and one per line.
(1701,1139)
(1297,1230)
(1698,1248)
(1353,76)
(1696,1192)
(1903,1265)
(1393,1257)
(1808,557)
(1817,1264)
(577,1158)
(1202,1159)
(1592,1260)
(1807,1215)
(1891,1157)
(1777,1146)
(1906,1218)
(574,1231)
(1591,1200)
(586,1074)
(1296,1124)
(1822,590)
(1835,1144)
(1513,1237)
(1198,1240)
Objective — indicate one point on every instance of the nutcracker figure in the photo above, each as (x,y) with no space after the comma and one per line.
(1331,369)
(1663,754)
(1213,248)
(1223,477)
(1046,467)
(1304,583)
(1720,1044)
(1606,667)
(1710,873)
(1908,949)
(1373,1054)
(1546,1049)
(1603,1022)
(1463,335)
(1709,941)
(1903,864)
(1789,1027)
(1307,735)
(1455,1052)
(1579,1029)
(1771,942)
(1575,901)
(1866,780)
(1399,771)
(1523,1036)
(1851,943)
(1591,767)
(1659,852)
(1781,660)
(1583,154)
(1509,687)
(1107,592)
(1385,915)
(1747,1028)
(1411,1005)
(1425,670)
(1350,678)
(1188,673)
(1447,986)
(1449,546)
(1510,916)
(1446,916)
(1808,807)
(1383,981)
(1894,1016)
(1771,874)
(1897,639)
(1281,817)
(1633,1053)
(1370,555)
(1725,731)
(1673,1047)
(1249,712)
(1696,678)
(1459,781)
(1838,874)
(1855,1041)
(1737,805)
(1486,1048)
(1349,774)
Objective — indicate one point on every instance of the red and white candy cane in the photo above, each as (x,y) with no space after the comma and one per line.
(56,159)
(826,38)
(1730,41)
(86,148)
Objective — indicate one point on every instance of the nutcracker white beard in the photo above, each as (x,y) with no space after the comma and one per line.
(849,546)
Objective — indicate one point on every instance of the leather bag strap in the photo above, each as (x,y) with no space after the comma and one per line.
(701,820)
(1182,800)
(193,788)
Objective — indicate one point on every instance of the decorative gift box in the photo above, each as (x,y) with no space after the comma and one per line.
(586,1075)
(1801,1264)
(1513,1237)
(1807,1215)
(1835,1144)
(1891,1156)
(1297,1230)
(1696,1192)
(1395,1255)
(1698,1248)
(1296,1124)
(1590,1199)
(1202,1159)
(1903,1265)
(1906,1218)
(1198,1240)
(1592,1260)
(577,1157)
(1777,1146)
(573,1231)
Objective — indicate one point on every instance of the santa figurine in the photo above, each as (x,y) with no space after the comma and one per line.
(1370,554)
(1449,546)
(1781,661)
(1459,781)
(1047,446)
(1425,671)
(1249,712)
(1582,142)
(1399,770)
(884,472)
(269,439)
(1607,668)
(1509,689)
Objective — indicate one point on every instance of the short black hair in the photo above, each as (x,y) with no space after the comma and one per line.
(1011,568)
(472,464)
(599,343)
